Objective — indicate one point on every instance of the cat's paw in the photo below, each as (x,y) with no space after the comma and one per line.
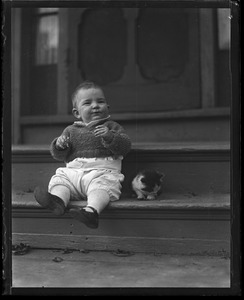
(140,198)
(151,197)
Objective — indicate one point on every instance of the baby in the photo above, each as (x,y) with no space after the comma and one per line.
(93,149)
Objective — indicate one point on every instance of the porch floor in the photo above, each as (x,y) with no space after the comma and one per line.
(89,269)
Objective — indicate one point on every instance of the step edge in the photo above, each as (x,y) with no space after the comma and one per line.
(165,147)
(217,201)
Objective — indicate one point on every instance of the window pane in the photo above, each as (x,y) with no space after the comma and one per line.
(47,40)
(224,28)
(47,10)
(223,74)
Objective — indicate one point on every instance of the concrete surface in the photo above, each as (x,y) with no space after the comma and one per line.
(82,269)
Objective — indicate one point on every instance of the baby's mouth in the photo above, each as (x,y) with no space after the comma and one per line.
(96,113)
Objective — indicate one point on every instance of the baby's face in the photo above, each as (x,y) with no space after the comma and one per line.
(91,105)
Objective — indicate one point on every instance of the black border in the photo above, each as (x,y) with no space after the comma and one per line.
(6,149)
(236,204)
(236,260)
(125,3)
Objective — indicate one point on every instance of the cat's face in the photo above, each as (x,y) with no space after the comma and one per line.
(151,181)
(147,183)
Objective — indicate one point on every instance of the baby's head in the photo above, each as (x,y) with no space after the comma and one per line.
(89,103)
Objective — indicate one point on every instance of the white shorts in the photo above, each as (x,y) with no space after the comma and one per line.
(82,176)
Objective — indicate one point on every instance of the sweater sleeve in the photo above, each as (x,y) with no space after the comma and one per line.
(57,153)
(116,140)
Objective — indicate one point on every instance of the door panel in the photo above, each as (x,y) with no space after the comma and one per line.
(145,59)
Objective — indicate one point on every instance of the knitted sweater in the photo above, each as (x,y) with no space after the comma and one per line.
(83,142)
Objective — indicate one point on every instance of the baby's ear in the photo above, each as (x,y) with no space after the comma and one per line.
(76,113)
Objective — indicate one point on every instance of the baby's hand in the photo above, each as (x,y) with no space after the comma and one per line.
(62,142)
(100,130)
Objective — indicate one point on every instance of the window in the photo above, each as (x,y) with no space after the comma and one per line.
(223,15)
(39,61)
(46,39)
(223,74)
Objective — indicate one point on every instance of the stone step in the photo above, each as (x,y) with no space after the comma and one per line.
(173,224)
(189,168)
(192,215)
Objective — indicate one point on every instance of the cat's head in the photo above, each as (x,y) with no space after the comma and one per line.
(151,180)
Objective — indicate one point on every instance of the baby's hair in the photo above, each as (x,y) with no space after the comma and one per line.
(84,85)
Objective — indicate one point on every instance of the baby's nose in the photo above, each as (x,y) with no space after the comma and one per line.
(94,104)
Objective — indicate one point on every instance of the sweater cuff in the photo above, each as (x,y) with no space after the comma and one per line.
(59,148)
(58,153)
(54,146)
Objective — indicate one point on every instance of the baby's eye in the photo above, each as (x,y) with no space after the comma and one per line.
(86,103)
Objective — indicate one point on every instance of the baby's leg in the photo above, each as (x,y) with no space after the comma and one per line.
(53,201)
(98,199)
(62,192)
(102,187)
(58,195)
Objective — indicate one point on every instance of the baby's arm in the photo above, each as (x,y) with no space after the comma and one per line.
(60,146)
(114,138)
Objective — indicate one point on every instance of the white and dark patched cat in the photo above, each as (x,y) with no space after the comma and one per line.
(147,184)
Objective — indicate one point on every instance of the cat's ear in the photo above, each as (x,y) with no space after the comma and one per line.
(161,176)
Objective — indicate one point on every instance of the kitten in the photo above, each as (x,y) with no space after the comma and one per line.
(147,184)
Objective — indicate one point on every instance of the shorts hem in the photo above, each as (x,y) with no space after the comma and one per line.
(112,197)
